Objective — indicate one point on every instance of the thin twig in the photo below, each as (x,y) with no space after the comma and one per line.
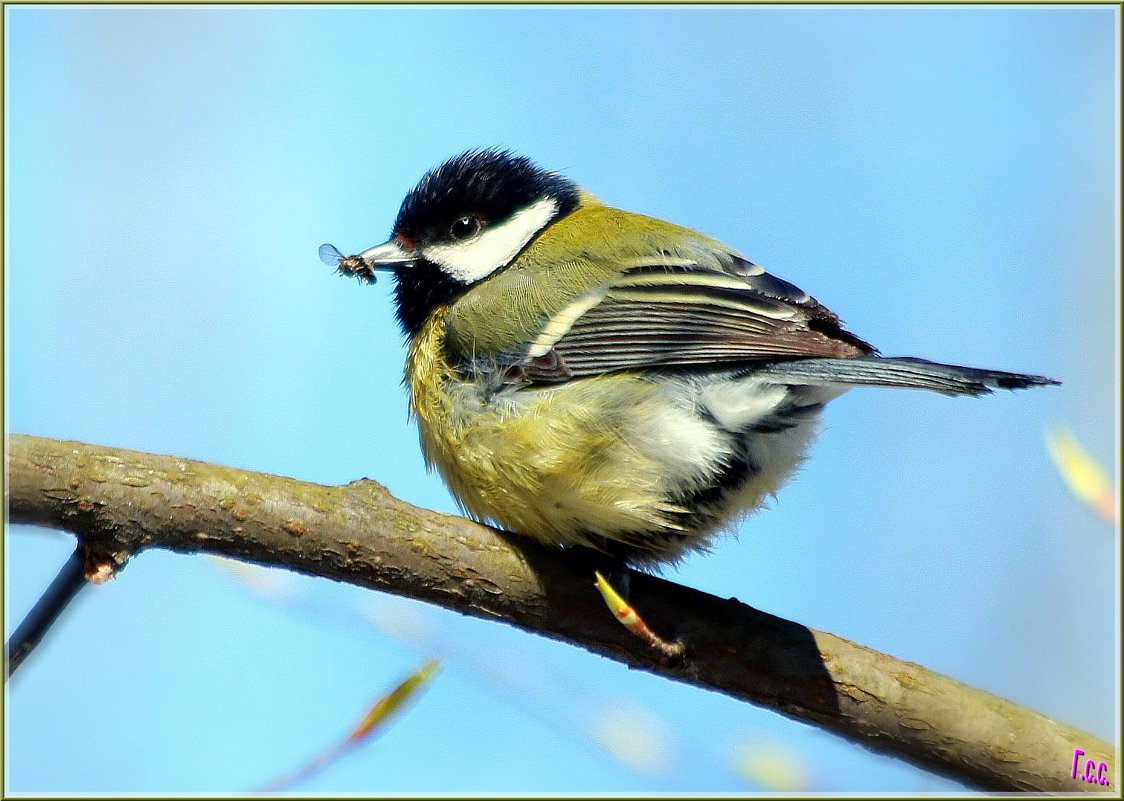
(71,579)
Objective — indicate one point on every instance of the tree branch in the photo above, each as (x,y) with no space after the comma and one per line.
(71,579)
(119,502)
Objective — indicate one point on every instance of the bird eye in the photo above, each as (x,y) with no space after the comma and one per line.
(464,228)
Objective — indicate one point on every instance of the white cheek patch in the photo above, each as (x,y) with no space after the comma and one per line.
(479,257)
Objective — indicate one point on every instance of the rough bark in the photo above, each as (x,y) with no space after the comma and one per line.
(119,502)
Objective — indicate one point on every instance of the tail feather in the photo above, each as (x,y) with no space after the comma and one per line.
(903,371)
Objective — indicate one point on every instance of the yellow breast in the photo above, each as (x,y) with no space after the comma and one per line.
(557,463)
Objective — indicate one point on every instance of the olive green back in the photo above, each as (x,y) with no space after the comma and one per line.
(583,252)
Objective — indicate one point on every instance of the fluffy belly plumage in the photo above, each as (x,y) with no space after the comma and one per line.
(647,471)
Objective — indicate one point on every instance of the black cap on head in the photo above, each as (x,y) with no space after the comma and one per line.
(468,194)
(490,185)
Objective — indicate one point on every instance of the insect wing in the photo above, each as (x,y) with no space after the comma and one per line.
(330,256)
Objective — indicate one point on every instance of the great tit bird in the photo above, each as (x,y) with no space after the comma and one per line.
(587,376)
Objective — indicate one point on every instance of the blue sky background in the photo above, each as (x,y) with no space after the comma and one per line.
(944,178)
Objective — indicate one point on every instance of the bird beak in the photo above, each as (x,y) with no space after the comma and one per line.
(387,257)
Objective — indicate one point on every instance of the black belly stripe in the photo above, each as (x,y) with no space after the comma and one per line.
(735,474)
(700,510)
(701,505)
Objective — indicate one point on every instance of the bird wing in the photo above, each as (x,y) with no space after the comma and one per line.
(682,313)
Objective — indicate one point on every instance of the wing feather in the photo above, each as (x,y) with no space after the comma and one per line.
(684,314)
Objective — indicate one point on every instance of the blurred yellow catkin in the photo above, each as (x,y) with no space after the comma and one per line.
(636,737)
(375,720)
(1085,478)
(773,767)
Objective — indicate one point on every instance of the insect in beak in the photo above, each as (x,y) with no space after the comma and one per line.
(387,257)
